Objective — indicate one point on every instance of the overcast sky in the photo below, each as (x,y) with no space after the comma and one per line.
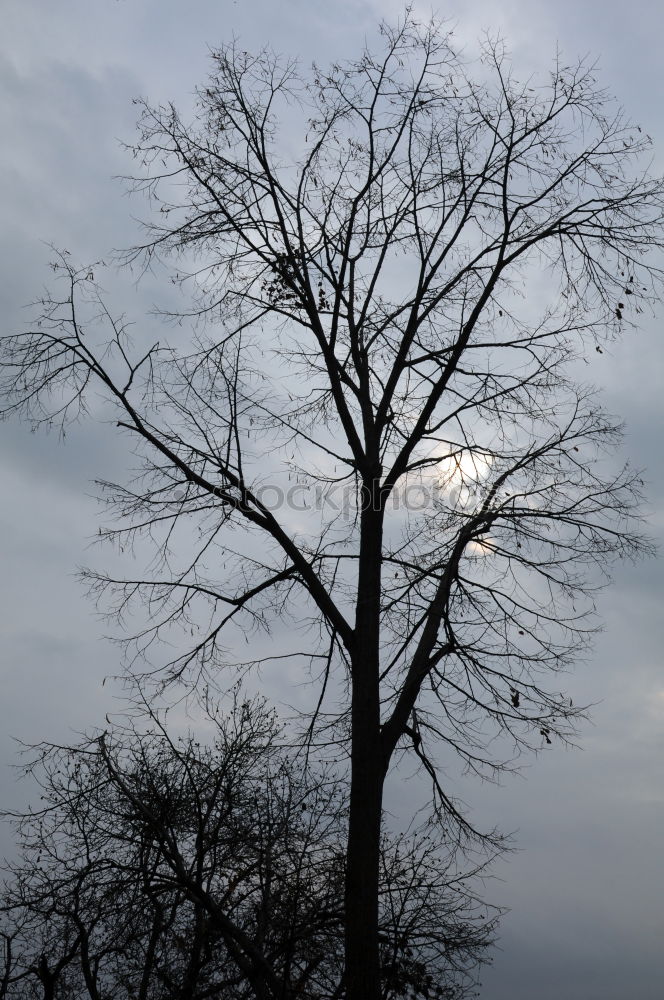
(587,888)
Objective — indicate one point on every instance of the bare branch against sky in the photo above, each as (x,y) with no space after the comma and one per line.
(370,457)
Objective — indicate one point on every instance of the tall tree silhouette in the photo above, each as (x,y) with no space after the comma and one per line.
(394,264)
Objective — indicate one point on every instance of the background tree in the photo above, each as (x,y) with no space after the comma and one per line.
(213,865)
(393,296)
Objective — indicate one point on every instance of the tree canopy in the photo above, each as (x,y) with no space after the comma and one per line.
(212,864)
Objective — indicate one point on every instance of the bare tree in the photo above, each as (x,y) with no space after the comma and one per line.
(202,867)
(399,294)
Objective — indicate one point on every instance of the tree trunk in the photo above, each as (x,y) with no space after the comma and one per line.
(362,967)
(362,858)
(47,979)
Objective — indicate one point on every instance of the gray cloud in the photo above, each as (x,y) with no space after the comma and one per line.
(586,888)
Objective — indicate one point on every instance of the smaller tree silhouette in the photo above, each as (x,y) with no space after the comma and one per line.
(158,866)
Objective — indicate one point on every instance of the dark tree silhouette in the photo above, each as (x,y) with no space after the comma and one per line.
(163,866)
(395,265)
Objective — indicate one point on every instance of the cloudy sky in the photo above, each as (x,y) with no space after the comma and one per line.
(586,890)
